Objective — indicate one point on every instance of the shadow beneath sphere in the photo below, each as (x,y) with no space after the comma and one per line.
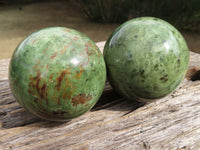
(111,100)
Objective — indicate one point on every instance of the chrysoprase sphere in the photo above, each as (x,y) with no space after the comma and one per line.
(146,58)
(57,73)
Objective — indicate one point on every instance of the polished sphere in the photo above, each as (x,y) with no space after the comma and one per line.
(146,58)
(57,73)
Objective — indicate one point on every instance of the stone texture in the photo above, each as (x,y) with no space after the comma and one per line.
(146,58)
(57,73)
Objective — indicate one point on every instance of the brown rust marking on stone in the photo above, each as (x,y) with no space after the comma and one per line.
(62,52)
(83,62)
(44,51)
(54,98)
(58,101)
(30,91)
(43,93)
(34,41)
(68,82)
(59,80)
(47,66)
(36,100)
(35,80)
(69,95)
(64,49)
(80,72)
(76,38)
(164,78)
(38,61)
(64,95)
(99,52)
(34,84)
(73,50)
(155,87)
(81,99)
(93,49)
(86,105)
(54,55)
(67,30)
(35,66)
(89,52)
(51,77)
(61,77)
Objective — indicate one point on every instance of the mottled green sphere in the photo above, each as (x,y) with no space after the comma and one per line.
(146,58)
(57,73)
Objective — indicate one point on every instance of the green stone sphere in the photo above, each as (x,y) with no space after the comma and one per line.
(57,73)
(146,58)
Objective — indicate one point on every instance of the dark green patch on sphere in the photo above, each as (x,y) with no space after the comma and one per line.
(146,58)
(57,73)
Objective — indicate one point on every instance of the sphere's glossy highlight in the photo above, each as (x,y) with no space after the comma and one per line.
(146,58)
(57,73)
